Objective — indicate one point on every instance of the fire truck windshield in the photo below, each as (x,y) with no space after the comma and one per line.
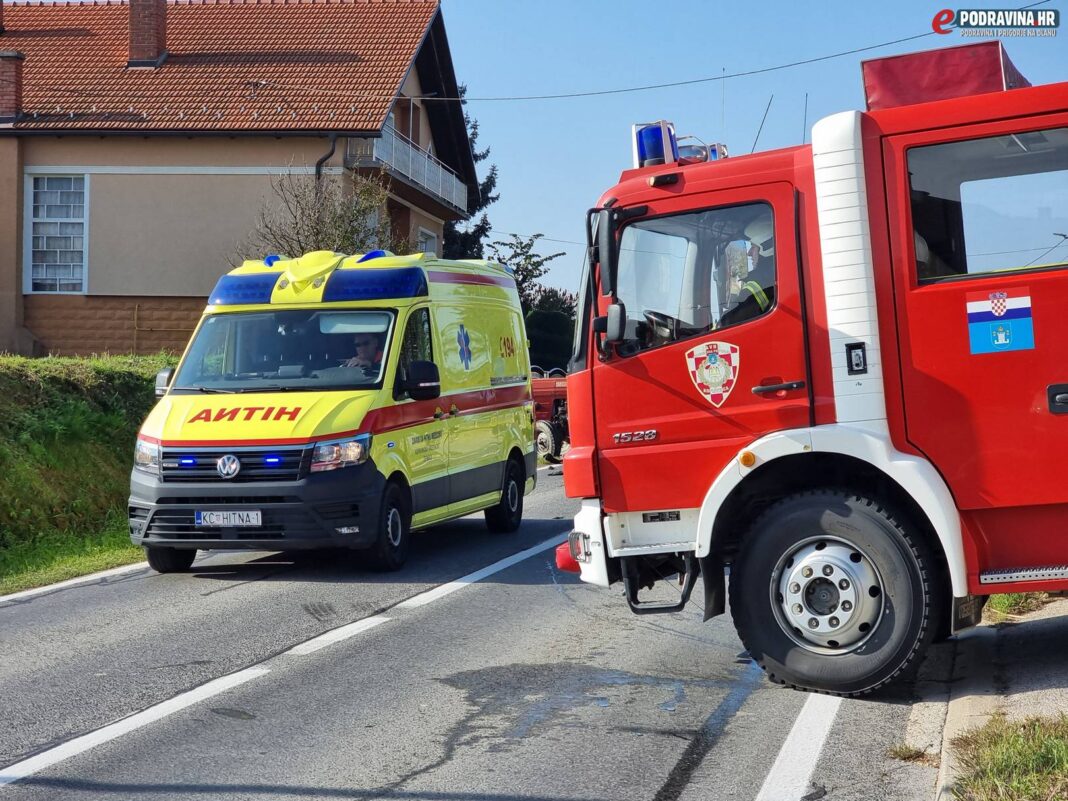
(686,274)
(286,350)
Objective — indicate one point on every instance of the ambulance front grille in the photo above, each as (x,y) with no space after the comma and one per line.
(1013,574)
(180,524)
(257,464)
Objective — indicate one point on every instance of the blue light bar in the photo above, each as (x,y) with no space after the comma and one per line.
(187,461)
(374,254)
(654,144)
(399,282)
(236,290)
(272,460)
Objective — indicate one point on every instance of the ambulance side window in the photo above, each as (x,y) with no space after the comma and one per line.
(990,205)
(417,345)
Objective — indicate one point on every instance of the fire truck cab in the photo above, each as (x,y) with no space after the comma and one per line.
(839,370)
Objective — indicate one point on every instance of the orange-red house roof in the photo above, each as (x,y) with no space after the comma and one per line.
(232,65)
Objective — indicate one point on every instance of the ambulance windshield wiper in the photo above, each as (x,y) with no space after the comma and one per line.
(199,388)
(268,388)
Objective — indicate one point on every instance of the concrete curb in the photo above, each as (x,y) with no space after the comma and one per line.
(973,698)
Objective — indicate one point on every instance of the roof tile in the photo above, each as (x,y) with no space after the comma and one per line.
(232,65)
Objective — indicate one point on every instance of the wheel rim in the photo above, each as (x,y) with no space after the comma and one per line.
(394,526)
(827,595)
(513,495)
(542,441)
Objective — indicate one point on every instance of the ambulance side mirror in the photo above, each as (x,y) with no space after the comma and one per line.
(423,381)
(163,380)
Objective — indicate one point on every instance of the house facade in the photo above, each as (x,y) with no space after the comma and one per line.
(139,140)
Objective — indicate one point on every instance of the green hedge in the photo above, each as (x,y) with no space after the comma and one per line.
(67,429)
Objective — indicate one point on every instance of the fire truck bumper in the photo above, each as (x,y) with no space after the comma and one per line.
(586,544)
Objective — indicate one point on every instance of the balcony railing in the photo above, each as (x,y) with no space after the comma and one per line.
(399,155)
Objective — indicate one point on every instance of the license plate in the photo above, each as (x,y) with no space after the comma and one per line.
(229,518)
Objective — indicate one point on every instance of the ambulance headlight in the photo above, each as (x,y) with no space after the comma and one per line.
(341,453)
(146,456)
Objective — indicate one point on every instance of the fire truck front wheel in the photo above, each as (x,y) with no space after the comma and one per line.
(832,592)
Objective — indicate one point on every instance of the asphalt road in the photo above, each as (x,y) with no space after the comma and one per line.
(523,685)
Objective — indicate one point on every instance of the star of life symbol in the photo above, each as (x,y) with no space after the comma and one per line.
(999,303)
(713,368)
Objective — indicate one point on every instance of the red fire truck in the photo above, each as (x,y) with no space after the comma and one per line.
(839,370)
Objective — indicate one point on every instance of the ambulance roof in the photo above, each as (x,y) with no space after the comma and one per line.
(324,276)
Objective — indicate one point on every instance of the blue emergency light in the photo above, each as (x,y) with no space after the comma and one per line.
(653,142)
(187,461)
(272,461)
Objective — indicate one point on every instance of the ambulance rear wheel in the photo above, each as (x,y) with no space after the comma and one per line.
(390,550)
(548,437)
(831,592)
(507,515)
(169,560)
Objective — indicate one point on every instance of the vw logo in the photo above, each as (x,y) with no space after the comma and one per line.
(228,466)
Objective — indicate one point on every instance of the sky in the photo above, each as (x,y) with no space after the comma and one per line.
(555,157)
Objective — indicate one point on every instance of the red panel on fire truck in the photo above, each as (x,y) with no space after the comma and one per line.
(971,69)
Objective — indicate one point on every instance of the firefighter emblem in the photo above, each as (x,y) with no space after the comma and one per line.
(713,368)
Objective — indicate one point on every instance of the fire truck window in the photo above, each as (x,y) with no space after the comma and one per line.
(990,205)
(684,275)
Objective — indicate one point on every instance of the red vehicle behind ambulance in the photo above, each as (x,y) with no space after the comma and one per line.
(838,369)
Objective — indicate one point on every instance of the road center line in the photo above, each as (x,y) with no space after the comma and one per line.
(430,596)
(789,776)
(335,635)
(79,745)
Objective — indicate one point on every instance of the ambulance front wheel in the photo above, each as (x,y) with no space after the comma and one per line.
(832,592)
(390,550)
(507,515)
(169,560)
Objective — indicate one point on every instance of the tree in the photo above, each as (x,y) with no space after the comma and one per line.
(344,213)
(527,265)
(552,299)
(464,240)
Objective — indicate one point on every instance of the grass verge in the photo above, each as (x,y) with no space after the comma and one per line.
(66,555)
(1014,760)
(67,429)
(1015,604)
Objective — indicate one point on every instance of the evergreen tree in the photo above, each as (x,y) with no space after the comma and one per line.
(464,239)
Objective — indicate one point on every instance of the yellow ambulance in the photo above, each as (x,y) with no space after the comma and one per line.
(338,401)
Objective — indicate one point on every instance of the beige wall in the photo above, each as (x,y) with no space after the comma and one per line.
(168,233)
(413,88)
(10,262)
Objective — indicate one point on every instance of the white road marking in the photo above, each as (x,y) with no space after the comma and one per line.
(115,571)
(80,745)
(447,589)
(335,635)
(789,776)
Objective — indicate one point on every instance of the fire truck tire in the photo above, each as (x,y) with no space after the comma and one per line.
(390,550)
(549,438)
(169,560)
(506,516)
(830,592)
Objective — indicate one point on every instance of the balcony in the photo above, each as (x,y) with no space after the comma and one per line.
(401,157)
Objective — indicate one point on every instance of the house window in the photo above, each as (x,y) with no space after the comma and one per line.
(57,217)
(428,242)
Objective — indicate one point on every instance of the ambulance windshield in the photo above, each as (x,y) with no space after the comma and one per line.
(287,350)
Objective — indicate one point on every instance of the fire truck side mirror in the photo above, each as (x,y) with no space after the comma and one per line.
(615,323)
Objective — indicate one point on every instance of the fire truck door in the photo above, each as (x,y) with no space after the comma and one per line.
(714,353)
(979,230)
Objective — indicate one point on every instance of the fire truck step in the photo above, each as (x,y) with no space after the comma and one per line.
(1011,574)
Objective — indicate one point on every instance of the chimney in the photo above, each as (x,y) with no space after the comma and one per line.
(148,33)
(10,86)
